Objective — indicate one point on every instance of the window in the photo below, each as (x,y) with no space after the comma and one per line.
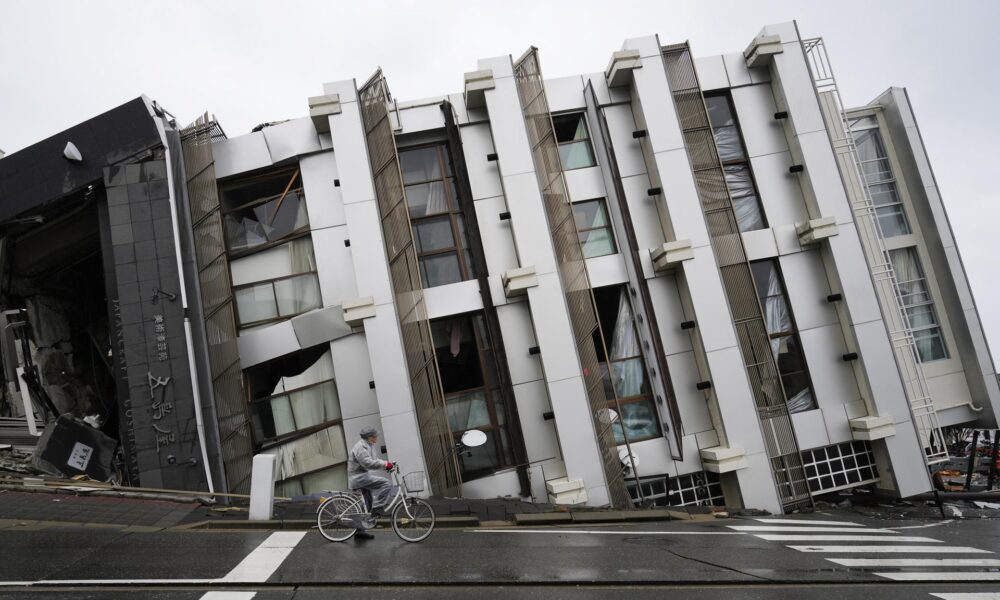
(915,295)
(276,283)
(839,466)
(785,345)
(293,394)
(623,367)
(472,394)
(594,229)
(575,151)
(874,163)
(702,488)
(263,210)
(436,216)
(735,164)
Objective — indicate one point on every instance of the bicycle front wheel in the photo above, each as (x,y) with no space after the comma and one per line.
(413,520)
(330,515)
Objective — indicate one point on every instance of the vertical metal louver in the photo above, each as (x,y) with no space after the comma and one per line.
(217,305)
(748,320)
(569,258)
(418,345)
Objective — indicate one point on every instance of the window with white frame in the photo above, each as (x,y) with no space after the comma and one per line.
(874,163)
(915,295)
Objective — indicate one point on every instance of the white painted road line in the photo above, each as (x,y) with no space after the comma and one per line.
(893,549)
(600,532)
(943,576)
(798,529)
(807,522)
(67,582)
(822,537)
(969,596)
(228,595)
(916,562)
(265,560)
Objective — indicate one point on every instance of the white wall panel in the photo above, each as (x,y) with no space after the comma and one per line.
(780,192)
(755,110)
(323,199)
(711,309)
(505,483)
(736,404)
(736,68)
(585,184)
(669,313)
(576,435)
(682,197)
(565,93)
(856,284)
(421,118)
(810,429)
(690,401)
(498,242)
(833,379)
(477,142)
(824,176)
(628,151)
(518,336)
(453,299)
(759,244)
(401,444)
(807,287)
(555,337)
(239,154)
(353,370)
(385,347)
(531,231)
(607,270)
(757,484)
(334,266)
(654,458)
(262,344)
(657,103)
(291,138)
(368,251)
(539,435)
(711,73)
(352,154)
(648,233)
(510,137)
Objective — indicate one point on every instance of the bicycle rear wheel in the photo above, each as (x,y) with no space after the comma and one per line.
(413,520)
(330,514)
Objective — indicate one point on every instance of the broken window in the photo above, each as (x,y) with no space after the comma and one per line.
(785,344)
(739,176)
(573,137)
(472,392)
(293,394)
(623,367)
(263,210)
(594,228)
(439,232)
(276,283)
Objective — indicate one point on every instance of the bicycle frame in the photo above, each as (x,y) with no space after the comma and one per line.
(400,495)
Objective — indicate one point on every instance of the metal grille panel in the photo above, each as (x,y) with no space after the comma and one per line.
(425,384)
(572,268)
(228,392)
(748,318)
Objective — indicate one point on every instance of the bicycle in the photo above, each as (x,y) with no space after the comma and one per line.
(340,516)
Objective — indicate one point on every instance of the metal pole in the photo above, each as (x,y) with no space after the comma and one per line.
(993,460)
(972,460)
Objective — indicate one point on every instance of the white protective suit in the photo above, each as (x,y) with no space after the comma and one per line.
(361,460)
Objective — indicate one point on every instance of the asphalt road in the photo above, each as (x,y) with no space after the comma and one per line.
(838,557)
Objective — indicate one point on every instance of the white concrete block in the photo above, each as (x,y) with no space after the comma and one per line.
(240,154)
(815,230)
(669,255)
(262,487)
(356,310)
(291,138)
(320,109)
(476,84)
(723,459)
(621,66)
(872,428)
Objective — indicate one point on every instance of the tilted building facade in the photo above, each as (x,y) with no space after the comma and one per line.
(680,279)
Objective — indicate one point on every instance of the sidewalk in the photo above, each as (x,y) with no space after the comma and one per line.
(48,508)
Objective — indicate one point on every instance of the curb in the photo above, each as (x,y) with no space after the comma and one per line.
(304,524)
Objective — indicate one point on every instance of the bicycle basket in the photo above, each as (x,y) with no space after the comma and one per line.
(414,482)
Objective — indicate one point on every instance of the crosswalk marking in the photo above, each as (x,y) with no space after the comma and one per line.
(969,596)
(893,549)
(807,522)
(943,576)
(265,559)
(803,529)
(916,562)
(822,537)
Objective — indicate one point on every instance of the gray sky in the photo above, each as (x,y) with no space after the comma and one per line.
(247,62)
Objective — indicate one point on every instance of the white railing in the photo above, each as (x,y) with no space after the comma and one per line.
(883,275)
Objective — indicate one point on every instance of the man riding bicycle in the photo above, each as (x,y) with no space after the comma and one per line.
(361,461)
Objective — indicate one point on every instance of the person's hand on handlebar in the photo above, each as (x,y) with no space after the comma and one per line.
(389,465)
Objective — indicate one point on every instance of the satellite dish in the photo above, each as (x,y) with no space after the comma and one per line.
(473,438)
(71,152)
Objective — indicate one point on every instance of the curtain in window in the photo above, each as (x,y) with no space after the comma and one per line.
(300,255)
(744,197)
(779,320)
(321,370)
(629,375)
(468,411)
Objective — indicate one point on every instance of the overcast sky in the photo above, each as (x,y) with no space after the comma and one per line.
(249,62)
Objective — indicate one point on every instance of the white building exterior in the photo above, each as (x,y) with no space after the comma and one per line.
(320,306)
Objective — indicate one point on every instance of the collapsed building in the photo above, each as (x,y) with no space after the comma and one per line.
(680,280)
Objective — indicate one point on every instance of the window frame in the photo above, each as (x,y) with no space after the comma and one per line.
(745,161)
(241,182)
(589,139)
(237,288)
(603,203)
(870,123)
(454,213)
(914,252)
(762,298)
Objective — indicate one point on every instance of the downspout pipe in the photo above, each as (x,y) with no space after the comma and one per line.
(188,335)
